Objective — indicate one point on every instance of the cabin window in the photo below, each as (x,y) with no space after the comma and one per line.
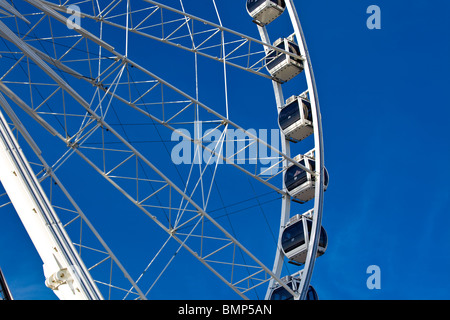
(295,176)
(293,236)
(289,115)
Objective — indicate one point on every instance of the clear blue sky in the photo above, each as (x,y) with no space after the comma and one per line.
(384,104)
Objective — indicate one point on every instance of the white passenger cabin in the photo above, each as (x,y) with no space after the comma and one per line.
(296,238)
(282,66)
(264,12)
(295,119)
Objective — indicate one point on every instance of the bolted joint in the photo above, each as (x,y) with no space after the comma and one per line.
(71,144)
(57,279)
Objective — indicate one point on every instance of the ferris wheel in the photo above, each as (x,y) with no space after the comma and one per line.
(132,148)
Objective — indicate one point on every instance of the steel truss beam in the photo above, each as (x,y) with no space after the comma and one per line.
(49,173)
(99,121)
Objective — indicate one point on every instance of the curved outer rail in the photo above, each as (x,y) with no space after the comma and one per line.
(27,51)
(319,152)
(285,148)
(319,157)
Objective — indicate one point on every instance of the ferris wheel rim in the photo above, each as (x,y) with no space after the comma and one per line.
(284,154)
(306,272)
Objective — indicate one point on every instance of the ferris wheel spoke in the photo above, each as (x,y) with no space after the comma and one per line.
(84,92)
(186,198)
(195,215)
(185,31)
(6,6)
(4,200)
(68,210)
(143,107)
(239,132)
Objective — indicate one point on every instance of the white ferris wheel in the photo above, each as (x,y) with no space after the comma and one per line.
(129,151)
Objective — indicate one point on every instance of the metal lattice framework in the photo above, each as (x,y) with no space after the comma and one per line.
(67,72)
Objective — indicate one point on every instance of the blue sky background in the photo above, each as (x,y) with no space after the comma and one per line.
(384,103)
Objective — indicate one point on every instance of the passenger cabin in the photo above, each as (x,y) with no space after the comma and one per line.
(283,66)
(295,119)
(296,236)
(299,183)
(264,12)
(280,293)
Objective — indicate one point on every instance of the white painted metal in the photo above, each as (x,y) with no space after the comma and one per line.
(49,172)
(319,157)
(266,12)
(63,269)
(319,151)
(5,5)
(73,143)
(5,293)
(306,191)
(289,67)
(299,254)
(302,128)
(286,200)
(102,122)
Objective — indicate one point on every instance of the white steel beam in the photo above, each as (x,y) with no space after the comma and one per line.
(39,61)
(63,269)
(19,126)
(319,152)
